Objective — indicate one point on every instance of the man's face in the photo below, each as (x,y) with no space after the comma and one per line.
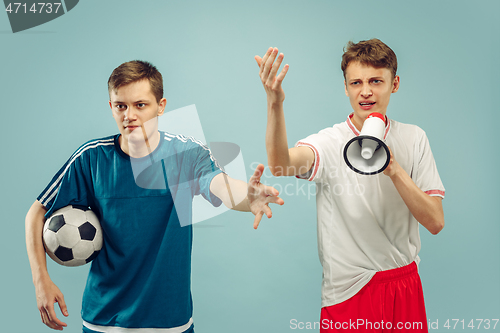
(369,89)
(135,110)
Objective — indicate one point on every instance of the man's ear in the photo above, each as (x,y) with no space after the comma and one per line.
(162,104)
(345,87)
(395,84)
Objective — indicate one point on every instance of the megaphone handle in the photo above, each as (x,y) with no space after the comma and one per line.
(360,143)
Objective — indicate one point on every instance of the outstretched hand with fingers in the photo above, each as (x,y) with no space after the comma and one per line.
(260,195)
(268,70)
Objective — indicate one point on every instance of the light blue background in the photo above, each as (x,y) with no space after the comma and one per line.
(54,97)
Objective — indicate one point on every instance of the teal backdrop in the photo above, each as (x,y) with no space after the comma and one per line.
(54,98)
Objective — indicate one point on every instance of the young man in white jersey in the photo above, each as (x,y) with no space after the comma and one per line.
(368,236)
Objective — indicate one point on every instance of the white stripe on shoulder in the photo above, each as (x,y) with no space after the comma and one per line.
(116,329)
(201,144)
(212,158)
(181,137)
(92,142)
(52,190)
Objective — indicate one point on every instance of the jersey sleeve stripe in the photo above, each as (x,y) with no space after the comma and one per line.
(316,159)
(92,142)
(185,139)
(435,193)
(52,190)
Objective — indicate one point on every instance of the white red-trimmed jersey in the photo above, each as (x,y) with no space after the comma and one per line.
(364,226)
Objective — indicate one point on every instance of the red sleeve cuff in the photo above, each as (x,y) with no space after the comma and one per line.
(438,193)
(316,161)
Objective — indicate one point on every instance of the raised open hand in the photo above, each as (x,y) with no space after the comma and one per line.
(268,70)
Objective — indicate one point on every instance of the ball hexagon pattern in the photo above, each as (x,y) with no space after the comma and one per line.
(72,236)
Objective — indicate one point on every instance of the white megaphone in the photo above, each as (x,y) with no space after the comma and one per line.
(367,154)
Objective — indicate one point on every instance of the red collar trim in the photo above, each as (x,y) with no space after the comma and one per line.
(356,132)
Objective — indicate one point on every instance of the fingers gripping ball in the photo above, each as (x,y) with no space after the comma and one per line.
(72,236)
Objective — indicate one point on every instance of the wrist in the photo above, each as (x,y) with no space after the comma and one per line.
(396,173)
(247,205)
(41,278)
(274,103)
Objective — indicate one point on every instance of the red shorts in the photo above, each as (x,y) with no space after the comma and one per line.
(392,301)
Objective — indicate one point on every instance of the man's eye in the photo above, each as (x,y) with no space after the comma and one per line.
(354,83)
(121,107)
(141,105)
(376,81)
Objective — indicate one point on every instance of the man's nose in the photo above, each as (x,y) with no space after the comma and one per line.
(366,91)
(130,113)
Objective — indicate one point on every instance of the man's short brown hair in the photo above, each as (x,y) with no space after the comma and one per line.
(371,52)
(134,71)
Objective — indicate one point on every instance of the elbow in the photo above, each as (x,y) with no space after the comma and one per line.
(437,227)
(277,170)
(436,218)
(276,173)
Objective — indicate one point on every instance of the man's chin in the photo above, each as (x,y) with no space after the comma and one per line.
(137,136)
(134,135)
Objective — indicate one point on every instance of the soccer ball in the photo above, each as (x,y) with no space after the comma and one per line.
(72,236)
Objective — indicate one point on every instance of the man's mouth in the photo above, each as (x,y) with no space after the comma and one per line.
(366,105)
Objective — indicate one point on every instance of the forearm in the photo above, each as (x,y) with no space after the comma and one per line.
(34,245)
(278,157)
(427,210)
(232,192)
(243,206)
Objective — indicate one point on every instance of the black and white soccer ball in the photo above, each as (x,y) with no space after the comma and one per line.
(72,236)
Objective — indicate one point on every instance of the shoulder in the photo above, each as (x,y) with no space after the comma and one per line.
(330,135)
(95,143)
(336,129)
(180,143)
(407,129)
(187,148)
(180,140)
(93,146)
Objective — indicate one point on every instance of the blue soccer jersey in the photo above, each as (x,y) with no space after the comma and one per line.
(142,276)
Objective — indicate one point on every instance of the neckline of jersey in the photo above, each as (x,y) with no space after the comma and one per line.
(127,157)
(355,131)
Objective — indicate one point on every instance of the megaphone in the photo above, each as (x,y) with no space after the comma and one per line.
(367,154)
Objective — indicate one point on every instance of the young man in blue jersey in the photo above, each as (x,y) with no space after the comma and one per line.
(140,183)
(368,225)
